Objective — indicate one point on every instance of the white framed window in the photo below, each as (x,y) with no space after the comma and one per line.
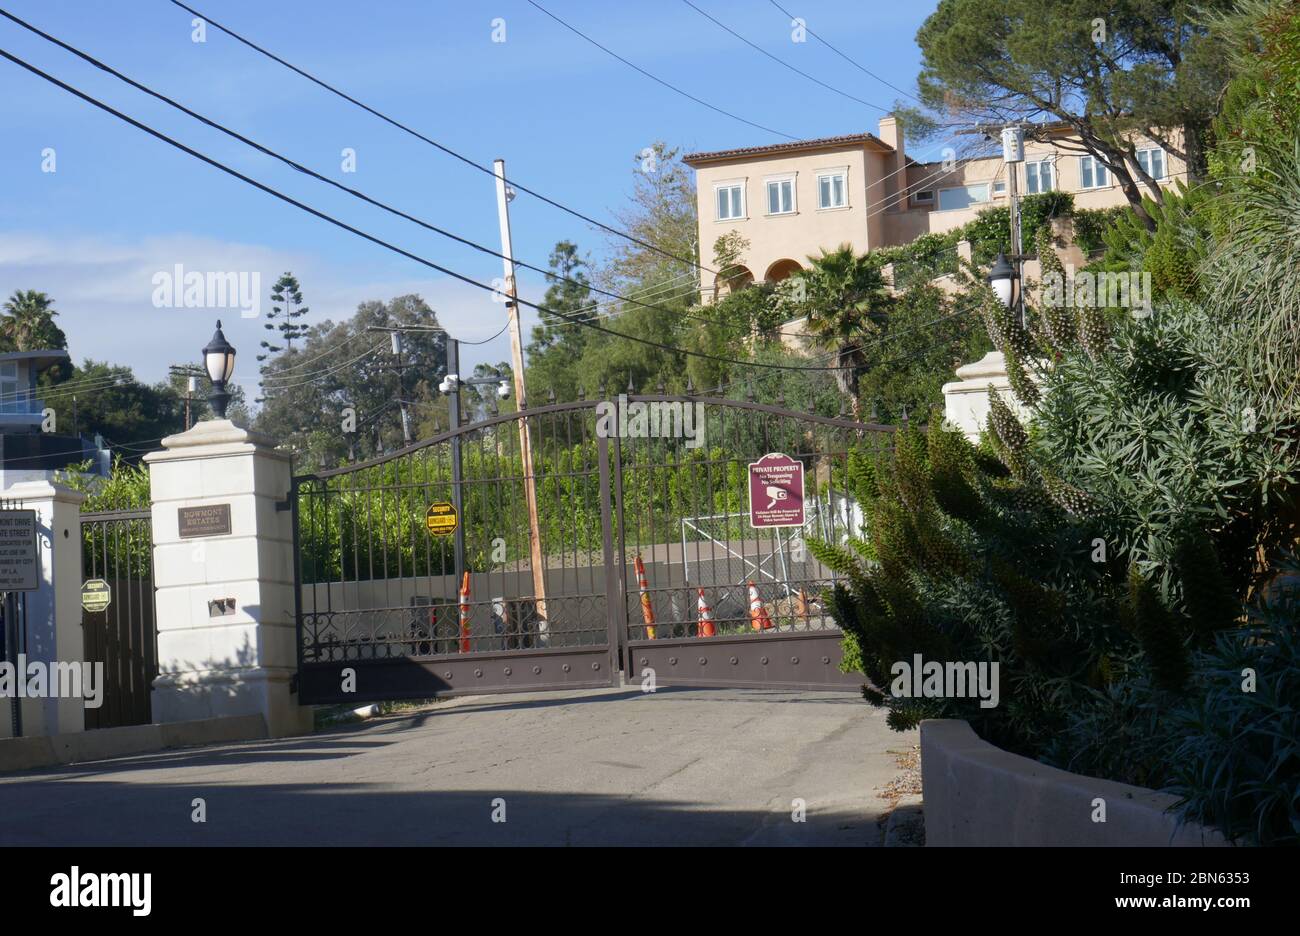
(833,189)
(999,188)
(1152,162)
(780,196)
(1092,173)
(951,199)
(1038,176)
(730,200)
(924,197)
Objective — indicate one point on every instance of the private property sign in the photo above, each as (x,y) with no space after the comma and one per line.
(18,550)
(776,492)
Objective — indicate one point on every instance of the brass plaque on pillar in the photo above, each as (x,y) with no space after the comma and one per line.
(209,520)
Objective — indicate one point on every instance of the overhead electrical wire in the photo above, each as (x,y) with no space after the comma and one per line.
(655,78)
(518,186)
(856,65)
(783,62)
(343,225)
(267,151)
(362,196)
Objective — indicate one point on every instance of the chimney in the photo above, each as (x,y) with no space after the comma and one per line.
(891,133)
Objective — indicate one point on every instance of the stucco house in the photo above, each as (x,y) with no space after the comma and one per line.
(791,200)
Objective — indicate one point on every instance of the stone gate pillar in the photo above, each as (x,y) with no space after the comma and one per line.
(223,570)
(53,620)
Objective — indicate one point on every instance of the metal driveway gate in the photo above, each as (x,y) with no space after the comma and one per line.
(685,512)
(380,584)
(380,567)
(117,549)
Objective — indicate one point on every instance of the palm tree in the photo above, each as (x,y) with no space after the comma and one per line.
(845,299)
(28,323)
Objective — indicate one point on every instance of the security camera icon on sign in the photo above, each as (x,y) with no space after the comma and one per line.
(775,494)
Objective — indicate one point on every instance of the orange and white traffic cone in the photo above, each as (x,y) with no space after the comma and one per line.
(464,615)
(647,609)
(706,628)
(758,618)
(801,607)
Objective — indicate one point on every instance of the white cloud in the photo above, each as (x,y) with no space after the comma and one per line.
(103,290)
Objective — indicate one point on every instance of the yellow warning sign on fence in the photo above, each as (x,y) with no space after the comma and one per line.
(96,596)
(441,518)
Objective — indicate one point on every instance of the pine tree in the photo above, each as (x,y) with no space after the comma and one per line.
(286,309)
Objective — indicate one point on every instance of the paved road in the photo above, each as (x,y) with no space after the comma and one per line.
(596,767)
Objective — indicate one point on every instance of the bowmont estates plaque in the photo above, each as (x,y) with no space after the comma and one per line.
(209,520)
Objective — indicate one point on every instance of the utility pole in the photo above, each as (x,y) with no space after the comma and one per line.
(191,373)
(396,337)
(504,195)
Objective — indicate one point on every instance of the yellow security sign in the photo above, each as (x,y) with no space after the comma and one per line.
(441,518)
(96,596)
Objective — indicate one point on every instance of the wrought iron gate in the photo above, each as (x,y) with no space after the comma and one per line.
(381,614)
(117,546)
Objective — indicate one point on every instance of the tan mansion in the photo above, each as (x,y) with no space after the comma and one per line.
(790,200)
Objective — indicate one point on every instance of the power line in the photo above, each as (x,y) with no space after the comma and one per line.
(656,78)
(267,151)
(372,238)
(317,375)
(378,241)
(856,65)
(519,186)
(781,61)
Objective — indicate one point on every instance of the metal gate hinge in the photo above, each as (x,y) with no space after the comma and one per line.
(286,504)
(293,684)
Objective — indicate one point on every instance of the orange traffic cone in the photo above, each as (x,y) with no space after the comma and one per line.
(758,618)
(647,609)
(801,607)
(464,615)
(706,628)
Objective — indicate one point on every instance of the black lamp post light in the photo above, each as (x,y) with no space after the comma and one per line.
(1003,280)
(219,360)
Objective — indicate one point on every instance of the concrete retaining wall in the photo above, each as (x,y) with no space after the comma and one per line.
(104,743)
(978,794)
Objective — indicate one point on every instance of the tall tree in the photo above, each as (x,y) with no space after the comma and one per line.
(661,212)
(558,343)
(845,300)
(337,393)
(1107,71)
(286,309)
(28,323)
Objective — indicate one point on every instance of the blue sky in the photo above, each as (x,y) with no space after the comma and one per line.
(567,118)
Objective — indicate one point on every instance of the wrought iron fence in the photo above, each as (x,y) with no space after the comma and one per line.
(117,547)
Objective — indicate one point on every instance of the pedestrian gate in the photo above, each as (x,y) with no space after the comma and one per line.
(421,574)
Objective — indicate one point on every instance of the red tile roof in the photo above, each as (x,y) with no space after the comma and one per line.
(794,146)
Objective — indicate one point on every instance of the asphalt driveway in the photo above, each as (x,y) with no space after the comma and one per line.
(612,766)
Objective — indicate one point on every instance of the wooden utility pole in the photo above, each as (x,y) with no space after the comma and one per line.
(521,399)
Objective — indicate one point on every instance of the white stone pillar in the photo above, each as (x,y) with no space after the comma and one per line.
(54,610)
(966,401)
(225,603)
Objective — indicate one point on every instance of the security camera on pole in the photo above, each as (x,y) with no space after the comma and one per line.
(450,386)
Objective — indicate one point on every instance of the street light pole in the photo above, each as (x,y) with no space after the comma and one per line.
(453,422)
(1013,154)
